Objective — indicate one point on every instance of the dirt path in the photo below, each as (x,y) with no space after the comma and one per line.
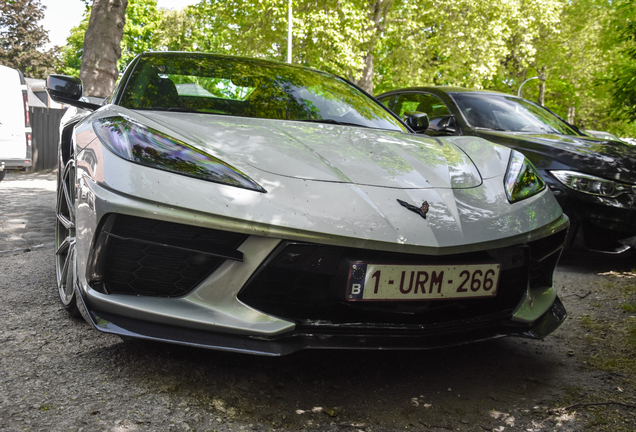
(27,211)
(56,374)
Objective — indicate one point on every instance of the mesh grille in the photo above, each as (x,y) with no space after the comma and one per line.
(142,269)
(148,257)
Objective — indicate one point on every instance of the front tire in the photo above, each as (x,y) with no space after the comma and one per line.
(65,240)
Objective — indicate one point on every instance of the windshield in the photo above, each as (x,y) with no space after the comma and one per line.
(602,135)
(507,113)
(249,88)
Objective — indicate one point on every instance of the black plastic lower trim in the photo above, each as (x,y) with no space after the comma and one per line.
(302,339)
(140,256)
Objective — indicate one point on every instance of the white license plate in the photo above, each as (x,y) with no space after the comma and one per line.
(421,282)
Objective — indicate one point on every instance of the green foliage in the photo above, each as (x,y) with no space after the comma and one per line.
(405,42)
(332,37)
(467,43)
(327,34)
(629,307)
(175,30)
(22,39)
(576,62)
(142,20)
(585,48)
(72,53)
(623,72)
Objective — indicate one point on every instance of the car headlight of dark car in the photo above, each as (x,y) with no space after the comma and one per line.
(522,179)
(149,147)
(590,184)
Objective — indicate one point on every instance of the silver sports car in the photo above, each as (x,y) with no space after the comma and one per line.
(259,207)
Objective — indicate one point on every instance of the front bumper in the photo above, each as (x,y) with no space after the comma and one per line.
(277,322)
(597,224)
(12,164)
(302,339)
(212,312)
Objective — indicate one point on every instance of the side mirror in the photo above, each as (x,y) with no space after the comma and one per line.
(447,125)
(62,86)
(417,121)
(67,90)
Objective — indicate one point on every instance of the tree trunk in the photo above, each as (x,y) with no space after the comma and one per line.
(102,47)
(378,10)
(571,113)
(366,80)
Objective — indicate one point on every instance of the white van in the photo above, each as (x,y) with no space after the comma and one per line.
(15,124)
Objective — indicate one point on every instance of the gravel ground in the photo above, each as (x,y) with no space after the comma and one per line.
(57,374)
(27,211)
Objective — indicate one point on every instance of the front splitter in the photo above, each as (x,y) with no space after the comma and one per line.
(302,339)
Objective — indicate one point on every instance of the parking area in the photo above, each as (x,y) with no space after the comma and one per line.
(27,211)
(58,374)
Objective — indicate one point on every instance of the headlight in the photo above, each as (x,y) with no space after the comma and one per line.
(590,184)
(149,147)
(522,180)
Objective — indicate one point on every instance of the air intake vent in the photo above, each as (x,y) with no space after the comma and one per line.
(149,257)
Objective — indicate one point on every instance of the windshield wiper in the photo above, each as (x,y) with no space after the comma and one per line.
(332,121)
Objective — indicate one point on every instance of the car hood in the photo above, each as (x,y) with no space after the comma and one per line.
(607,159)
(323,152)
(325,208)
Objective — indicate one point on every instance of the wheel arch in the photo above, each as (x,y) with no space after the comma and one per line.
(66,143)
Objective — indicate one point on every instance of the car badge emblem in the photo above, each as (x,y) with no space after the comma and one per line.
(419,210)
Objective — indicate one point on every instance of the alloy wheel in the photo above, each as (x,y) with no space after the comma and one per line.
(65,255)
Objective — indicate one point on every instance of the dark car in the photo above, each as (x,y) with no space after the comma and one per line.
(593,179)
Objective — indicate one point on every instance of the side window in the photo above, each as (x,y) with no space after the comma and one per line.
(386,101)
(421,102)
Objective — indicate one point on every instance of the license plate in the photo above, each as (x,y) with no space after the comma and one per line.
(421,282)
